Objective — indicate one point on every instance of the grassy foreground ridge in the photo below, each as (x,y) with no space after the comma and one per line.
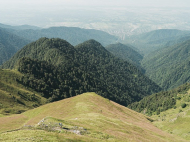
(86,117)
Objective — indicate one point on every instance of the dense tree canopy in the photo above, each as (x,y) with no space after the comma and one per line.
(169,66)
(126,53)
(86,67)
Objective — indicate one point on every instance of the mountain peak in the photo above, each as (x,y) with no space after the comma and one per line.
(53,50)
(92,41)
(91,46)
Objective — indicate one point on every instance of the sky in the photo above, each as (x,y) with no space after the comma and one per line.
(46,13)
(15,4)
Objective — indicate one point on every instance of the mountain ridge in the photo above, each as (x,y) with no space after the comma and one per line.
(126,53)
(73,35)
(92,67)
(151,41)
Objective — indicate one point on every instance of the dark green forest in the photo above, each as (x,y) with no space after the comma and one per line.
(169,67)
(126,53)
(86,67)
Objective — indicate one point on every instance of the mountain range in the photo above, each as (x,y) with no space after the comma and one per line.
(151,41)
(9,44)
(85,67)
(73,35)
(41,80)
(169,66)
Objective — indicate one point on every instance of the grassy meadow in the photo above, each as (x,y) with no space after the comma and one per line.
(14,97)
(86,117)
(176,120)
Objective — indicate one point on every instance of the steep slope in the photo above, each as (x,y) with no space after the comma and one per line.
(92,117)
(151,41)
(87,67)
(72,34)
(159,102)
(169,66)
(169,109)
(126,53)
(115,73)
(176,120)
(9,44)
(14,97)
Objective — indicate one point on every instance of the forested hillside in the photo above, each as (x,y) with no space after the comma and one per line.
(126,53)
(56,51)
(14,38)
(169,66)
(9,44)
(151,41)
(159,102)
(72,34)
(86,67)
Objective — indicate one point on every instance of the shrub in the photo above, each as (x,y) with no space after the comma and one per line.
(179,98)
(183,105)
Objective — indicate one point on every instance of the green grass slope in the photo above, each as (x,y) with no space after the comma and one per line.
(169,66)
(14,97)
(86,117)
(170,110)
(177,119)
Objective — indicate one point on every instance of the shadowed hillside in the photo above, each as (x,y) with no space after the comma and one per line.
(126,53)
(9,45)
(169,66)
(154,40)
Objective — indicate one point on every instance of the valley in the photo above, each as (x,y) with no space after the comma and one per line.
(63,84)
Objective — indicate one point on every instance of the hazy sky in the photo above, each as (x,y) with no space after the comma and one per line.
(45,13)
(5,4)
